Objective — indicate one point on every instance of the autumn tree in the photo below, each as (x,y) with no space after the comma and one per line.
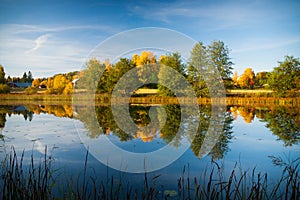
(59,83)
(36,82)
(261,79)
(247,79)
(68,88)
(146,58)
(285,79)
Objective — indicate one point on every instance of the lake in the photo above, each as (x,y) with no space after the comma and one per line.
(249,138)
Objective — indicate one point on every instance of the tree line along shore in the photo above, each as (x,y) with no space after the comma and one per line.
(101,78)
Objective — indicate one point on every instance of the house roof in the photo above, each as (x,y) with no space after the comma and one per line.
(20,85)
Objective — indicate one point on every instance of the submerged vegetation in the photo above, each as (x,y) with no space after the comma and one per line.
(41,180)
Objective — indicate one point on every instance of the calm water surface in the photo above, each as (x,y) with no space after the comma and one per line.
(250,136)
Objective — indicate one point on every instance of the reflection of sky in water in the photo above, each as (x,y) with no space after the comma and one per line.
(251,145)
(138,145)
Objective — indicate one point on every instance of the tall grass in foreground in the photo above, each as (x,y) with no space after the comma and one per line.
(41,181)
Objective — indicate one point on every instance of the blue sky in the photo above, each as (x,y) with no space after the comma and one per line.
(50,37)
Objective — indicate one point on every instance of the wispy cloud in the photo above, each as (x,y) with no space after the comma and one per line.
(27,28)
(214,16)
(266,44)
(45,50)
(39,42)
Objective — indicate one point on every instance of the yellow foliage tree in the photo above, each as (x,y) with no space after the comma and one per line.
(68,89)
(146,57)
(36,83)
(247,79)
(49,83)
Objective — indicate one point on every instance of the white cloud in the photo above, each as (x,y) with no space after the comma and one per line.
(212,16)
(45,51)
(26,28)
(39,42)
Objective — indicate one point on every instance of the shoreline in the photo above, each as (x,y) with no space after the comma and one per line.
(104,99)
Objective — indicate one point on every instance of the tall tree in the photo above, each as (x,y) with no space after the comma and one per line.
(2,75)
(199,59)
(165,78)
(285,79)
(24,77)
(29,77)
(91,75)
(219,54)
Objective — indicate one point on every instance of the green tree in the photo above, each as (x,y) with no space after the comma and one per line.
(4,89)
(113,73)
(90,76)
(261,79)
(29,77)
(210,65)
(173,61)
(2,75)
(285,79)
(199,58)
(219,54)
(24,77)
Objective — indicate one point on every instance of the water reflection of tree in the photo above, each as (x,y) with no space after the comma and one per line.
(171,131)
(246,112)
(221,147)
(16,110)
(3,111)
(107,123)
(171,127)
(285,123)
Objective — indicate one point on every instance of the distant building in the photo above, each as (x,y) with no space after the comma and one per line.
(74,82)
(19,85)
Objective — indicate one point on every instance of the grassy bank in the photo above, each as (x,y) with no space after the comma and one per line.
(103,99)
(20,180)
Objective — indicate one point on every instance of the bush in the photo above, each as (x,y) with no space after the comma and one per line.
(30,90)
(4,89)
(53,91)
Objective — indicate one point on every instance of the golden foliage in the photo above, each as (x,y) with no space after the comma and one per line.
(36,83)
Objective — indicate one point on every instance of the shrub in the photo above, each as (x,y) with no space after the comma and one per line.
(52,91)
(30,90)
(4,89)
